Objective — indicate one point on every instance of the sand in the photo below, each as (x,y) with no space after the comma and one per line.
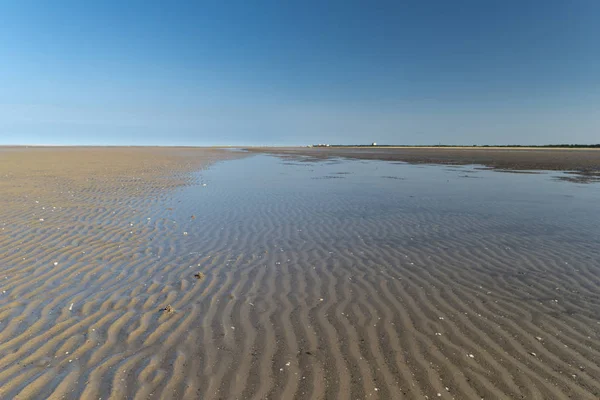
(71,251)
(118,282)
(585,161)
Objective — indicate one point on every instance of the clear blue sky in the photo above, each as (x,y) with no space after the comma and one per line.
(279,72)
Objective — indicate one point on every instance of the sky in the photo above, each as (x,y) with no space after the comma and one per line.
(299,72)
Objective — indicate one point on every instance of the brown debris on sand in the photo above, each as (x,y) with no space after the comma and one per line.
(199,276)
(168,309)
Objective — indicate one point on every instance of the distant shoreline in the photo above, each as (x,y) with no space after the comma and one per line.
(369,146)
(402,146)
(582,161)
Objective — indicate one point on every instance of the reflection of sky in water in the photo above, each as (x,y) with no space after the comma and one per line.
(326,192)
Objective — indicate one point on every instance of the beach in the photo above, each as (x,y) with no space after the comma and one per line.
(73,245)
(581,160)
(185,273)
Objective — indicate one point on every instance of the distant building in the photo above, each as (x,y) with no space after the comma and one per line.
(373,144)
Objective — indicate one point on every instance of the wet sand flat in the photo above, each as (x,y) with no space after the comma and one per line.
(66,175)
(203,273)
(70,244)
(577,159)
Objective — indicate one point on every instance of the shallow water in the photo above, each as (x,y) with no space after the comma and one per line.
(312,196)
(356,262)
(322,279)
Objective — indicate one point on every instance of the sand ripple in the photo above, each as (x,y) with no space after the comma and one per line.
(357,298)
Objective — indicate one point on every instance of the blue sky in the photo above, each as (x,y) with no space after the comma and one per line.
(285,73)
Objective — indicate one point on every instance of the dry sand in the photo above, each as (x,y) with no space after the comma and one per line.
(90,311)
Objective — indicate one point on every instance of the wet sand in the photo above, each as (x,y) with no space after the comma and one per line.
(122,276)
(72,248)
(80,175)
(582,160)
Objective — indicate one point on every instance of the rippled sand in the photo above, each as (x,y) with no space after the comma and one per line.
(427,284)
(74,258)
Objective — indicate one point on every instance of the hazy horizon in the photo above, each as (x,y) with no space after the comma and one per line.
(239,74)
